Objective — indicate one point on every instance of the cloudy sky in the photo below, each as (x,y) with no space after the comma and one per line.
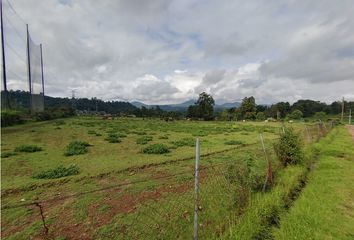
(168,51)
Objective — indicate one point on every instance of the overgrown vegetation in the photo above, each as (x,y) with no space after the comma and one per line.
(156,149)
(289,148)
(28,148)
(76,148)
(113,138)
(58,172)
(7,154)
(184,142)
(11,117)
(234,142)
(144,140)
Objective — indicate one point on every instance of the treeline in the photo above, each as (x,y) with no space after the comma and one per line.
(249,110)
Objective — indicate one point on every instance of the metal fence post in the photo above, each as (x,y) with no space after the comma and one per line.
(196,185)
(269,166)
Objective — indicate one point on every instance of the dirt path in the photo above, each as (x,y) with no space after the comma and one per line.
(351,130)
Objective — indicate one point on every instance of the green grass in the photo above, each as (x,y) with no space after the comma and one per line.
(325,209)
(143,140)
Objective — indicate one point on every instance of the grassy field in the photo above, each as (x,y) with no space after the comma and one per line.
(325,209)
(122,192)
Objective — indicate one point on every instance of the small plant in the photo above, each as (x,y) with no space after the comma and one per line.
(7,154)
(163,137)
(59,122)
(76,148)
(113,138)
(288,149)
(144,140)
(156,149)
(234,142)
(190,142)
(58,172)
(28,148)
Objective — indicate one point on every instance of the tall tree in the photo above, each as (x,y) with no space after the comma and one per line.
(206,106)
(248,108)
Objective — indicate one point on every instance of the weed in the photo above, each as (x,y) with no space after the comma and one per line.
(58,172)
(7,154)
(234,142)
(76,148)
(190,142)
(144,140)
(28,148)
(113,138)
(156,149)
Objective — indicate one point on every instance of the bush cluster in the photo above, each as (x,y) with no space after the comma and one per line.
(144,140)
(7,154)
(234,142)
(28,148)
(156,149)
(76,148)
(11,117)
(190,142)
(58,172)
(288,148)
(113,138)
(54,113)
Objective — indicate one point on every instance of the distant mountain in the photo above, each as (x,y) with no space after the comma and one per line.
(181,107)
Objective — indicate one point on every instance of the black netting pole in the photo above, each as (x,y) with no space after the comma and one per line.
(41,49)
(29,66)
(7,104)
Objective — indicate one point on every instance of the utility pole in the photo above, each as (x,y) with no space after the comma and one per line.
(342,109)
(350,116)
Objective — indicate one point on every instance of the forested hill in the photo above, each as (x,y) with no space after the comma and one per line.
(22,99)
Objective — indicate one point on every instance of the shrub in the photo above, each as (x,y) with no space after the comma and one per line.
(28,148)
(7,154)
(296,114)
(11,117)
(58,172)
(113,138)
(260,116)
(156,149)
(143,140)
(288,148)
(190,142)
(76,148)
(234,142)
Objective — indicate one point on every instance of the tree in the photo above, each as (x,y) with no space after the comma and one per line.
(205,105)
(248,108)
(260,116)
(320,116)
(296,114)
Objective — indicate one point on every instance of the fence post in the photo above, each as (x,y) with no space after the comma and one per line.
(196,190)
(269,170)
(318,131)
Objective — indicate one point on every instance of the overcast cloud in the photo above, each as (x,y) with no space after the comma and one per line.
(169,51)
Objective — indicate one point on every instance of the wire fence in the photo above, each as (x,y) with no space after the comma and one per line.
(193,200)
